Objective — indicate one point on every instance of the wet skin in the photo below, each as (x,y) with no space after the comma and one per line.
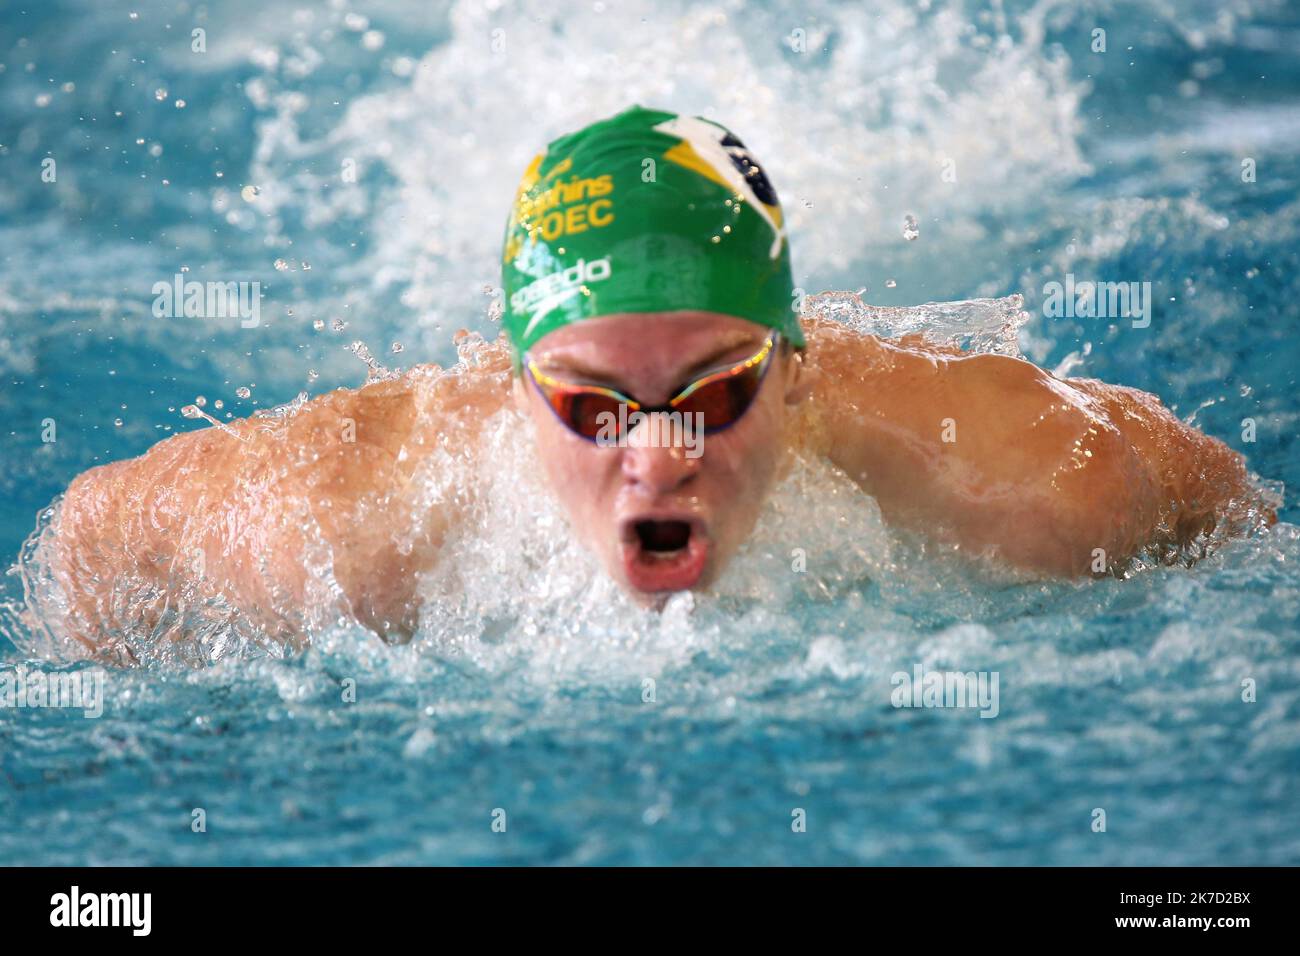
(987,454)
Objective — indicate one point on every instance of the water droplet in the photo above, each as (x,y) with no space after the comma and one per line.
(160,94)
(180,104)
(200,401)
(890,284)
(117,422)
(281,265)
(318,324)
(910,229)
(218,404)
(397,347)
(338,325)
(243,391)
(191,411)
(312,375)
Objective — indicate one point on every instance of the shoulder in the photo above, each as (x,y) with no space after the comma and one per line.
(356,442)
(858,377)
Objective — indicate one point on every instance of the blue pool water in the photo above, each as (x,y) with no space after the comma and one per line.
(599,734)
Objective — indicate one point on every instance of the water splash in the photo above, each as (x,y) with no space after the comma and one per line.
(898,90)
(375,372)
(194,411)
(977,325)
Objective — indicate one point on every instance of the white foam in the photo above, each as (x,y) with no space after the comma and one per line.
(855,131)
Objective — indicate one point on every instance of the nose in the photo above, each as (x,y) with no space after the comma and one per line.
(658,469)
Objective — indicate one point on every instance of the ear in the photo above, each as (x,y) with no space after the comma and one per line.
(799,379)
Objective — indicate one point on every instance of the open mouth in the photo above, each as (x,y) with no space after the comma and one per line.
(664,554)
(662,537)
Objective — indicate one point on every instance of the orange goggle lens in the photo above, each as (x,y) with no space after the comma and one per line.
(721,397)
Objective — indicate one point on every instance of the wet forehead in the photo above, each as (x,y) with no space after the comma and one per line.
(655,350)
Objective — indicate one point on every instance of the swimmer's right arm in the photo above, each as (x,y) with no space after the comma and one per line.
(253,516)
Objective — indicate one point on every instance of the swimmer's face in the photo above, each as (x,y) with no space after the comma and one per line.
(666,516)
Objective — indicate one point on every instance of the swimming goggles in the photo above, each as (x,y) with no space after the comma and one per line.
(721,396)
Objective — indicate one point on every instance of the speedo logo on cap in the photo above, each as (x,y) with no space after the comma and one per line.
(542,295)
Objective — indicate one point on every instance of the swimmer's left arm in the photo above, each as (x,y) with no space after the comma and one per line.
(993,454)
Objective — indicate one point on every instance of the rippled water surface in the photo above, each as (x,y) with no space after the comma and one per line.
(533,693)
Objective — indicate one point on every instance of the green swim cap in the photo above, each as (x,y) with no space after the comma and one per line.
(646,211)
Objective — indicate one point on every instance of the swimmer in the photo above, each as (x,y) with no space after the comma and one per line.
(646,278)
